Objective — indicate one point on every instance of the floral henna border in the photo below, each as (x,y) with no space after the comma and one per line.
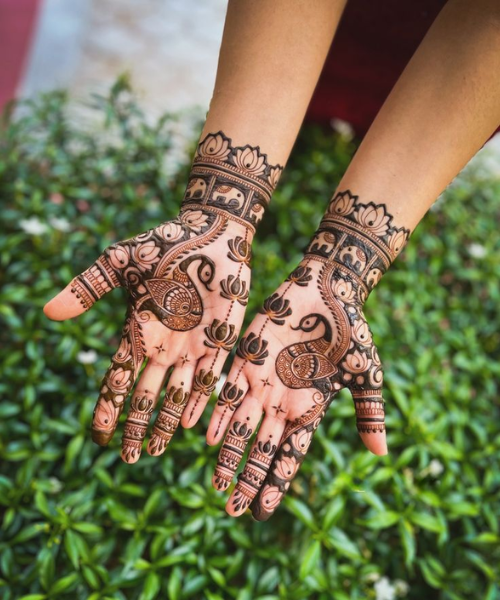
(235,181)
(360,239)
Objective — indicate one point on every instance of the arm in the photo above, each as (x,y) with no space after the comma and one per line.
(188,279)
(312,339)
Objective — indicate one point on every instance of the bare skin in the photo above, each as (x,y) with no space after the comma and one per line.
(442,110)
(188,280)
(311,338)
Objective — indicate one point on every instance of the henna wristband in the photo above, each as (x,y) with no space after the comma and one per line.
(360,239)
(235,182)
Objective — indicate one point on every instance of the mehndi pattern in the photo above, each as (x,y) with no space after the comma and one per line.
(170,270)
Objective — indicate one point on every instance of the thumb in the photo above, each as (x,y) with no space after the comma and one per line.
(370,419)
(83,291)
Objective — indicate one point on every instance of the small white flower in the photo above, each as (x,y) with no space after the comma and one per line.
(60,224)
(33,226)
(384,590)
(402,588)
(86,357)
(477,251)
(435,467)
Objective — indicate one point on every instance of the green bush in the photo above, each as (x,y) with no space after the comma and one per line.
(79,523)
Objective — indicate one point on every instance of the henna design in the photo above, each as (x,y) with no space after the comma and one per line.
(231,453)
(240,251)
(294,445)
(168,272)
(177,297)
(253,349)
(231,396)
(253,475)
(355,245)
(168,419)
(276,308)
(301,276)
(233,288)
(221,335)
(359,239)
(237,180)
(118,380)
(205,382)
(92,284)
(141,409)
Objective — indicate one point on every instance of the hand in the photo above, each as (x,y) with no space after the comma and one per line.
(310,341)
(188,282)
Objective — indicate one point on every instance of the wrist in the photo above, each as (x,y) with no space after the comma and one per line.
(234,182)
(359,241)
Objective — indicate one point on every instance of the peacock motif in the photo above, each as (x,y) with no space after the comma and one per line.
(306,364)
(300,364)
(175,299)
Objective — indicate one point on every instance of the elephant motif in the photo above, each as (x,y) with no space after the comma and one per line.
(196,189)
(323,242)
(228,195)
(353,257)
(373,277)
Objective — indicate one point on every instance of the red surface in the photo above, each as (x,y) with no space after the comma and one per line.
(373,44)
(17,23)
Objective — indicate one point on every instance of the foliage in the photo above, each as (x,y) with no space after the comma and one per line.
(78,523)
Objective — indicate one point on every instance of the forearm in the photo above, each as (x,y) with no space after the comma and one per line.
(441,111)
(270,60)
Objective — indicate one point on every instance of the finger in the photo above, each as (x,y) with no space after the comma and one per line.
(118,381)
(230,398)
(370,420)
(83,291)
(174,404)
(144,401)
(205,380)
(242,426)
(257,466)
(294,445)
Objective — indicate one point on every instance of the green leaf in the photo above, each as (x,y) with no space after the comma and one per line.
(175,584)
(151,587)
(426,521)
(310,560)
(383,519)
(301,511)
(408,541)
(71,545)
(64,584)
(343,544)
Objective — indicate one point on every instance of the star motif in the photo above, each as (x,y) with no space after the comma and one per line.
(278,409)
(266,382)
(185,359)
(160,348)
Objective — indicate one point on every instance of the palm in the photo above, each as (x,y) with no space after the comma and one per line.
(187,281)
(310,340)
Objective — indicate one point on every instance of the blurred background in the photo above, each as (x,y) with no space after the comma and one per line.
(98,149)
